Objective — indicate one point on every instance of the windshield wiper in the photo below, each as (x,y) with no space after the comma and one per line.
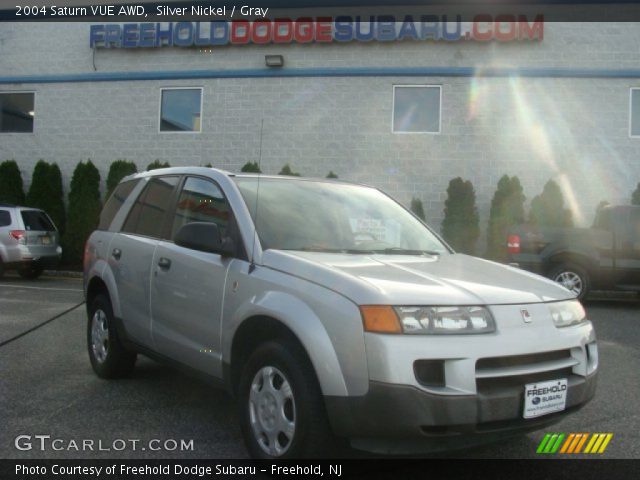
(329,250)
(406,251)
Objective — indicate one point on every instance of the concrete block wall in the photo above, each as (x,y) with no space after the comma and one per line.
(572,129)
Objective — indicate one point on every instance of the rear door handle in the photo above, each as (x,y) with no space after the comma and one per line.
(116,253)
(164,263)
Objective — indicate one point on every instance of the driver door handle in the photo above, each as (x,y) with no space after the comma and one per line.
(164,263)
(116,253)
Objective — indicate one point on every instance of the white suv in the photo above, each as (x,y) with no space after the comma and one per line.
(328,310)
(29,241)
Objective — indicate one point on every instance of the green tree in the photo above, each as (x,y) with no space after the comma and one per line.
(507,209)
(251,167)
(460,226)
(84,211)
(286,170)
(416,207)
(157,164)
(46,192)
(117,171)
(547,209)
(635,196)
(11,188)
(331,174)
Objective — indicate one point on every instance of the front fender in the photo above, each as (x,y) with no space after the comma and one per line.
(305,323)
(101,270)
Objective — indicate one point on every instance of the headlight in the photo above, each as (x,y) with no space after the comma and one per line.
(567,313)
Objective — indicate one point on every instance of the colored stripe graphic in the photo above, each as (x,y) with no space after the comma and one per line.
(572,443)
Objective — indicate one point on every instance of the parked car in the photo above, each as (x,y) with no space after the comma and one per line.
(328,310)
(29,241)
(605,256)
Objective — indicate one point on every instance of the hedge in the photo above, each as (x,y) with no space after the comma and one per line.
(11,188)
(46,192)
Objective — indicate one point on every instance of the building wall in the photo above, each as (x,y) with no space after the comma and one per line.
(572,129)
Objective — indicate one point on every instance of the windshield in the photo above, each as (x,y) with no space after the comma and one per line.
(333,217)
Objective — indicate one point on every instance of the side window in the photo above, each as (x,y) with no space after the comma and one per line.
(201,201)
(148,212)
(5,218)
(115,202)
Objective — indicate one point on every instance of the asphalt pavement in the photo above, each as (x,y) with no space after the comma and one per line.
(53,403)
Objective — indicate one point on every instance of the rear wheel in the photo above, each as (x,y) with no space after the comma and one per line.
(1,268)
(282,412)
(30,273)
(573,277)
(108,357)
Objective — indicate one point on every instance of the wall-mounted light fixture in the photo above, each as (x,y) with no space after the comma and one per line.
(274,60)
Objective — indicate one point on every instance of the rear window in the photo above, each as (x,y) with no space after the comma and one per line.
(115,202)
(36,220)
(5,218)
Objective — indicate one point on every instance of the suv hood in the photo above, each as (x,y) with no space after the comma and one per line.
(450,279)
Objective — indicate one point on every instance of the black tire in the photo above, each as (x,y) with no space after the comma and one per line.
(572,271)
(117,361)
(312,436)
(30,273)
(1,268)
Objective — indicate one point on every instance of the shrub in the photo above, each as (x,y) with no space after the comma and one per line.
(84,211)
(11,189)
(117,171)
(547,209)
(507,209)
(46,192)
(251,167)
(157,164)
(416,207)
(331,174)
(460,224)
(286,170)
(635,196)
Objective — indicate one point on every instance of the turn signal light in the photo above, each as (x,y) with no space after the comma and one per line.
(380,319)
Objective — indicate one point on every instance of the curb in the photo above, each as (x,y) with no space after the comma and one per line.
(62,273)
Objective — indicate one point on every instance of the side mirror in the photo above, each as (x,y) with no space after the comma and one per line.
(204,237)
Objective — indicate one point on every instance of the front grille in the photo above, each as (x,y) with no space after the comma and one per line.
(520,360)
(497,384)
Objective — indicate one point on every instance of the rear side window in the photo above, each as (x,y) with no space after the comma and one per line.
(201,201)
(113,205)
(5,218)
(36,220)
(148,213)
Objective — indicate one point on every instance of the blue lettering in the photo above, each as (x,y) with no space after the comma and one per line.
(183,34)
(113,36)
(408,29)
(343,29)
(364,36)
(429,27)
(130,35)
(147,35)
(96,36)
(454,35)
(202,40)
(162,35)
(219,33)
(386,28)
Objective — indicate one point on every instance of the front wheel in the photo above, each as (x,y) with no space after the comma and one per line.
(282,412)
(573,277)
(108,356)
(30,273)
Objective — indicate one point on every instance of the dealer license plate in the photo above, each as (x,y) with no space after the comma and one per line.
(46,240)
(543,398)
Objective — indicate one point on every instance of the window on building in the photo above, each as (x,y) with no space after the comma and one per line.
(634,113)
(416,108)
(180,109)
(147,216)
(17,112)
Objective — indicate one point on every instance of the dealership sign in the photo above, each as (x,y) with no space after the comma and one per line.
(384,28)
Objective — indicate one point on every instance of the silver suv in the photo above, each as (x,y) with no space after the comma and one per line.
(29,241)
(328,310)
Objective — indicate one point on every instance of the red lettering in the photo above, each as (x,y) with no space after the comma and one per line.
(535,31)
(323,30)
(239,31)
(282,30)
(482,35)
(261,31)
(500,22)
(303,30)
